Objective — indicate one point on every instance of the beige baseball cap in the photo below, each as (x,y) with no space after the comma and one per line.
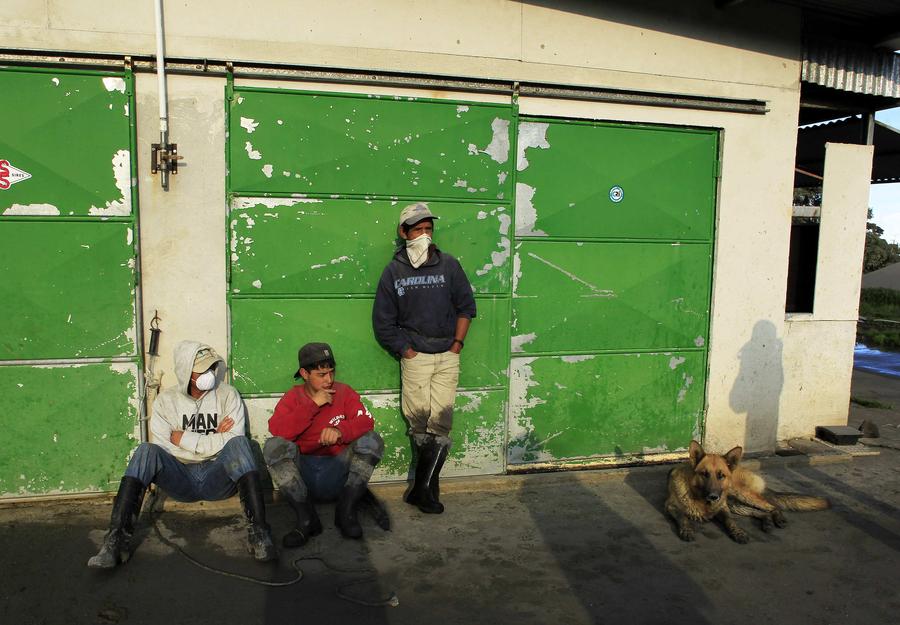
(206,357)
(414,213)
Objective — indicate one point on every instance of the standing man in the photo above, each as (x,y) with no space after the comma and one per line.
(323,447)
(199,453)
(423,308)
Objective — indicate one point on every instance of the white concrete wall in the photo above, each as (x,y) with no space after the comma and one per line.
(183,230)
(818,347)
(748,51)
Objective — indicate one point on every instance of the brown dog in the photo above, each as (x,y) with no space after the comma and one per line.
(712,486)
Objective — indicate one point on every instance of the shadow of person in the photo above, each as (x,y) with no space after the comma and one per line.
(606,542)
(757,388)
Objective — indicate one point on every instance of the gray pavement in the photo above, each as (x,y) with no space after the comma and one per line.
(571,548)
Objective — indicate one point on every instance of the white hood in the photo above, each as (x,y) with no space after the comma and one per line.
(185,352)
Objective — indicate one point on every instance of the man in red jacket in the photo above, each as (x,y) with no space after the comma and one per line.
(324,447)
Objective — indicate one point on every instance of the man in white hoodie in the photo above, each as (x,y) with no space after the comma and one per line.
(199,453)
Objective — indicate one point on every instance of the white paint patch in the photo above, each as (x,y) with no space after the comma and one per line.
(339,259)
(129,236)
(55,81)
(31,209)
(413,161)
(501,177)
(531,135)
(390,402)
(249,124)
(126,109)
(520,340)
(277,314)
(461,183)
(682,392)
(243,203)
(498,148)
(253,154)
(257,284)
(121,169)
(699,341)
(581,358)
(499,258)
(461,109)
(482,215)
(69,318)
(319,266)
(267,170)
(526,215)
(675,361)
(114,84)
(472,149)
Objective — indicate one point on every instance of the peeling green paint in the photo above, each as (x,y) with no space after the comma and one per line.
(295,141)
(610,296)
(281,246)
(478,434)
(66,428)
(70,133)
(266,334)
(68,280)
(67,290)
(571,407)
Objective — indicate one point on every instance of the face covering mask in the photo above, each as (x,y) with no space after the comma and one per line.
(417,250)
(206,381)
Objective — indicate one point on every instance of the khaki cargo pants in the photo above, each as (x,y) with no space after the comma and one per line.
(428,391)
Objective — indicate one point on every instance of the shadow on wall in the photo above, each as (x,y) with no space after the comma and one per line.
(757,389)
(607,550)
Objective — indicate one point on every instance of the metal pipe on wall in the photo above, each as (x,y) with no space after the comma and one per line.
(163,93)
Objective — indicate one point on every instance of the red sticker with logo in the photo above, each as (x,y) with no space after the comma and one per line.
(10,175)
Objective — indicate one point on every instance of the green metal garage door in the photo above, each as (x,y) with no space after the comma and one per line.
(593,297)
(610,314)
(68,356)
(316,182)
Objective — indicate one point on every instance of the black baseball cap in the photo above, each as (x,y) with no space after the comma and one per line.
(311,353)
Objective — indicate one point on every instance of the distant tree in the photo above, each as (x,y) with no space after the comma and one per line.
(878,252)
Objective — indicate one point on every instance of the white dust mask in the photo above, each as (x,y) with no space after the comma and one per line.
(206,381)
(417,250)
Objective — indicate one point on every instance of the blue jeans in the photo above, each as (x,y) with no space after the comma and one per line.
(209,480)
(320,477)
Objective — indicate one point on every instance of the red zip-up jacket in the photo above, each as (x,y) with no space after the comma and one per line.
(298,419)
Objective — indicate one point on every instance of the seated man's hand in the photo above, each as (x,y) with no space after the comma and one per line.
(176,437)
(330,436)
(322,396)
(227,424)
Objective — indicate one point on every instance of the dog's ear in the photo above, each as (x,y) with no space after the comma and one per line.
(696,453)
(733,457)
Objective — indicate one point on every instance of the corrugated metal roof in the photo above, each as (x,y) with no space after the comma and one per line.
(852,68)
(811,142)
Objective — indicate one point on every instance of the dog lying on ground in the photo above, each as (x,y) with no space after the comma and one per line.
(712,486)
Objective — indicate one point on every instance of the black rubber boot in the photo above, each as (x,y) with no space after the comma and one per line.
(259,536)
(434,485)
(345,517)
(125,511)
(420,495)
(308,523)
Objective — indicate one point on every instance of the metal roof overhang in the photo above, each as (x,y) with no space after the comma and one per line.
(811,142)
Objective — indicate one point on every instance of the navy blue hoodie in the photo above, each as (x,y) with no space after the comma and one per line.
(418,308)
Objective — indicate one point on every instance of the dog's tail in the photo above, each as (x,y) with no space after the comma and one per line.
(800,503)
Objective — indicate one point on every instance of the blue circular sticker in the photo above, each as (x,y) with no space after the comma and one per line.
(616,194)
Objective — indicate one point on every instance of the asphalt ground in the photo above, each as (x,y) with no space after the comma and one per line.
(570,548)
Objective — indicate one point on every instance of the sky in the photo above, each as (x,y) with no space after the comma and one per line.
(884,199)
